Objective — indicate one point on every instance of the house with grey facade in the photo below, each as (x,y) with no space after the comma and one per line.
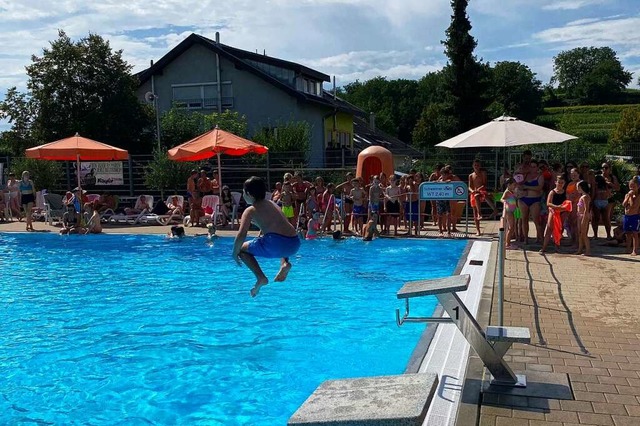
(205,75)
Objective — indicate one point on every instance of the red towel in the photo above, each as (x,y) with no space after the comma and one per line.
(557,220)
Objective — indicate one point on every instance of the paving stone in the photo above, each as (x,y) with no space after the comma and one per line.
(621,399)
(589,396)
(607,408)
(597,345)
(595,419)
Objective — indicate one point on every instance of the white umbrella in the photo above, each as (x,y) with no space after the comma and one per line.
(505,132)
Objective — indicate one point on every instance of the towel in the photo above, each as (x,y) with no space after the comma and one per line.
(557,220)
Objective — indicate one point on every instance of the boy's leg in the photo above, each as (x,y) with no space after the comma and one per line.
(285,267)
(251,262)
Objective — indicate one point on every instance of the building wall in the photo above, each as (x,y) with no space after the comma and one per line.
(262,103)
(343,123)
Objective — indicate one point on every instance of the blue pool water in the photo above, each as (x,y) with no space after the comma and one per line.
(124,329)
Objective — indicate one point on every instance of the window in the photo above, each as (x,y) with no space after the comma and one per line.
(202,95)
(307,85)
(341,139)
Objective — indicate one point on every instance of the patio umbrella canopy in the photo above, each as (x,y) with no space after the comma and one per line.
(505,132)
(215,142)
(77,148)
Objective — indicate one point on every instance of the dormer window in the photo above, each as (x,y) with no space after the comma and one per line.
(309,86)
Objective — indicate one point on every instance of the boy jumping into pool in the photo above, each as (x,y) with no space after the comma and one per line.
(278,237)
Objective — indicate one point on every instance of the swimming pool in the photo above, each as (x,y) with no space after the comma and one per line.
(129,329)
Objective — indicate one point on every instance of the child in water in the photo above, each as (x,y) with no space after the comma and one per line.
(278,237)
(313,226)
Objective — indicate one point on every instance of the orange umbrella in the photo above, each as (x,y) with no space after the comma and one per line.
(215,142)
(77,148)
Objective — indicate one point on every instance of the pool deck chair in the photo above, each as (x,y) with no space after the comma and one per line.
(53,208)
(133,219)
(165,219)
(490,345)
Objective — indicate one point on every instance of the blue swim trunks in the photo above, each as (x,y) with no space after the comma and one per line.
(631,223)
(374,207)
(274,245)
(359,210)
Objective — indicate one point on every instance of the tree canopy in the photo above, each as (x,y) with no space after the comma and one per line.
(515,91)
(82,87)
(590,75)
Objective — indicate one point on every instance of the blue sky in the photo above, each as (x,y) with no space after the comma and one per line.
(351,39)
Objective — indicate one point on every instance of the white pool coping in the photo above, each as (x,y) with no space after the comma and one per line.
(448,352)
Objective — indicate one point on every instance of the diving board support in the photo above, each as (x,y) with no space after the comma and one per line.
(490,347)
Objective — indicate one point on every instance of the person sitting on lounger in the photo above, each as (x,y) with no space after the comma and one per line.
(141,205)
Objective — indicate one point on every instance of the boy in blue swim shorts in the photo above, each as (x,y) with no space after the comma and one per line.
(278,238)
(631,220)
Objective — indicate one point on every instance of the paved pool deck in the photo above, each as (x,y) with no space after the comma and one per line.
(584,317)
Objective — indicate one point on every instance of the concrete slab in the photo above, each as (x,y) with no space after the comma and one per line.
(372,401)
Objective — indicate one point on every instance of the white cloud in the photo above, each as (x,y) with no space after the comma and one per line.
(572,4)
(614,32)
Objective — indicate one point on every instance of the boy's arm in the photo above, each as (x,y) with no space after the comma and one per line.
(245,223)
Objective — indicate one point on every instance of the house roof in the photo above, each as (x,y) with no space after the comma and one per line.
(364,136)
(239,57)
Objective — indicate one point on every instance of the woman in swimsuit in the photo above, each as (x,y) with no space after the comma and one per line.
(27,198)
(529,202)
(600,204)
(13,186)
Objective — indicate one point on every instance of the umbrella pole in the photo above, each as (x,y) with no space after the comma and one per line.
(219,176)
(78,170)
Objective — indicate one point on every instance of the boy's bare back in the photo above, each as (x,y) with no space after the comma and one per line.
(269,218)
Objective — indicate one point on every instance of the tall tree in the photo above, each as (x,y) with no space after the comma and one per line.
(590,74)
(395,103)
(465,79)
(84,87)
(515,91)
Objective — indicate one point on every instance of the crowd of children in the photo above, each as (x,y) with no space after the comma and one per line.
(569,201)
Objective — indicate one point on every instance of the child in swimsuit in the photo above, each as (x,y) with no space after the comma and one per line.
(287,202)
(278,237)
(358,196)
(600,204)
(631,220)
(510,202)
(557,205)
(583,216)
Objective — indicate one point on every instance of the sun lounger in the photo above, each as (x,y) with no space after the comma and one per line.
(53,208)
(165,219)
(133,219)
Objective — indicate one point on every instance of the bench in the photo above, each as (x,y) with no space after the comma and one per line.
(490,345)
